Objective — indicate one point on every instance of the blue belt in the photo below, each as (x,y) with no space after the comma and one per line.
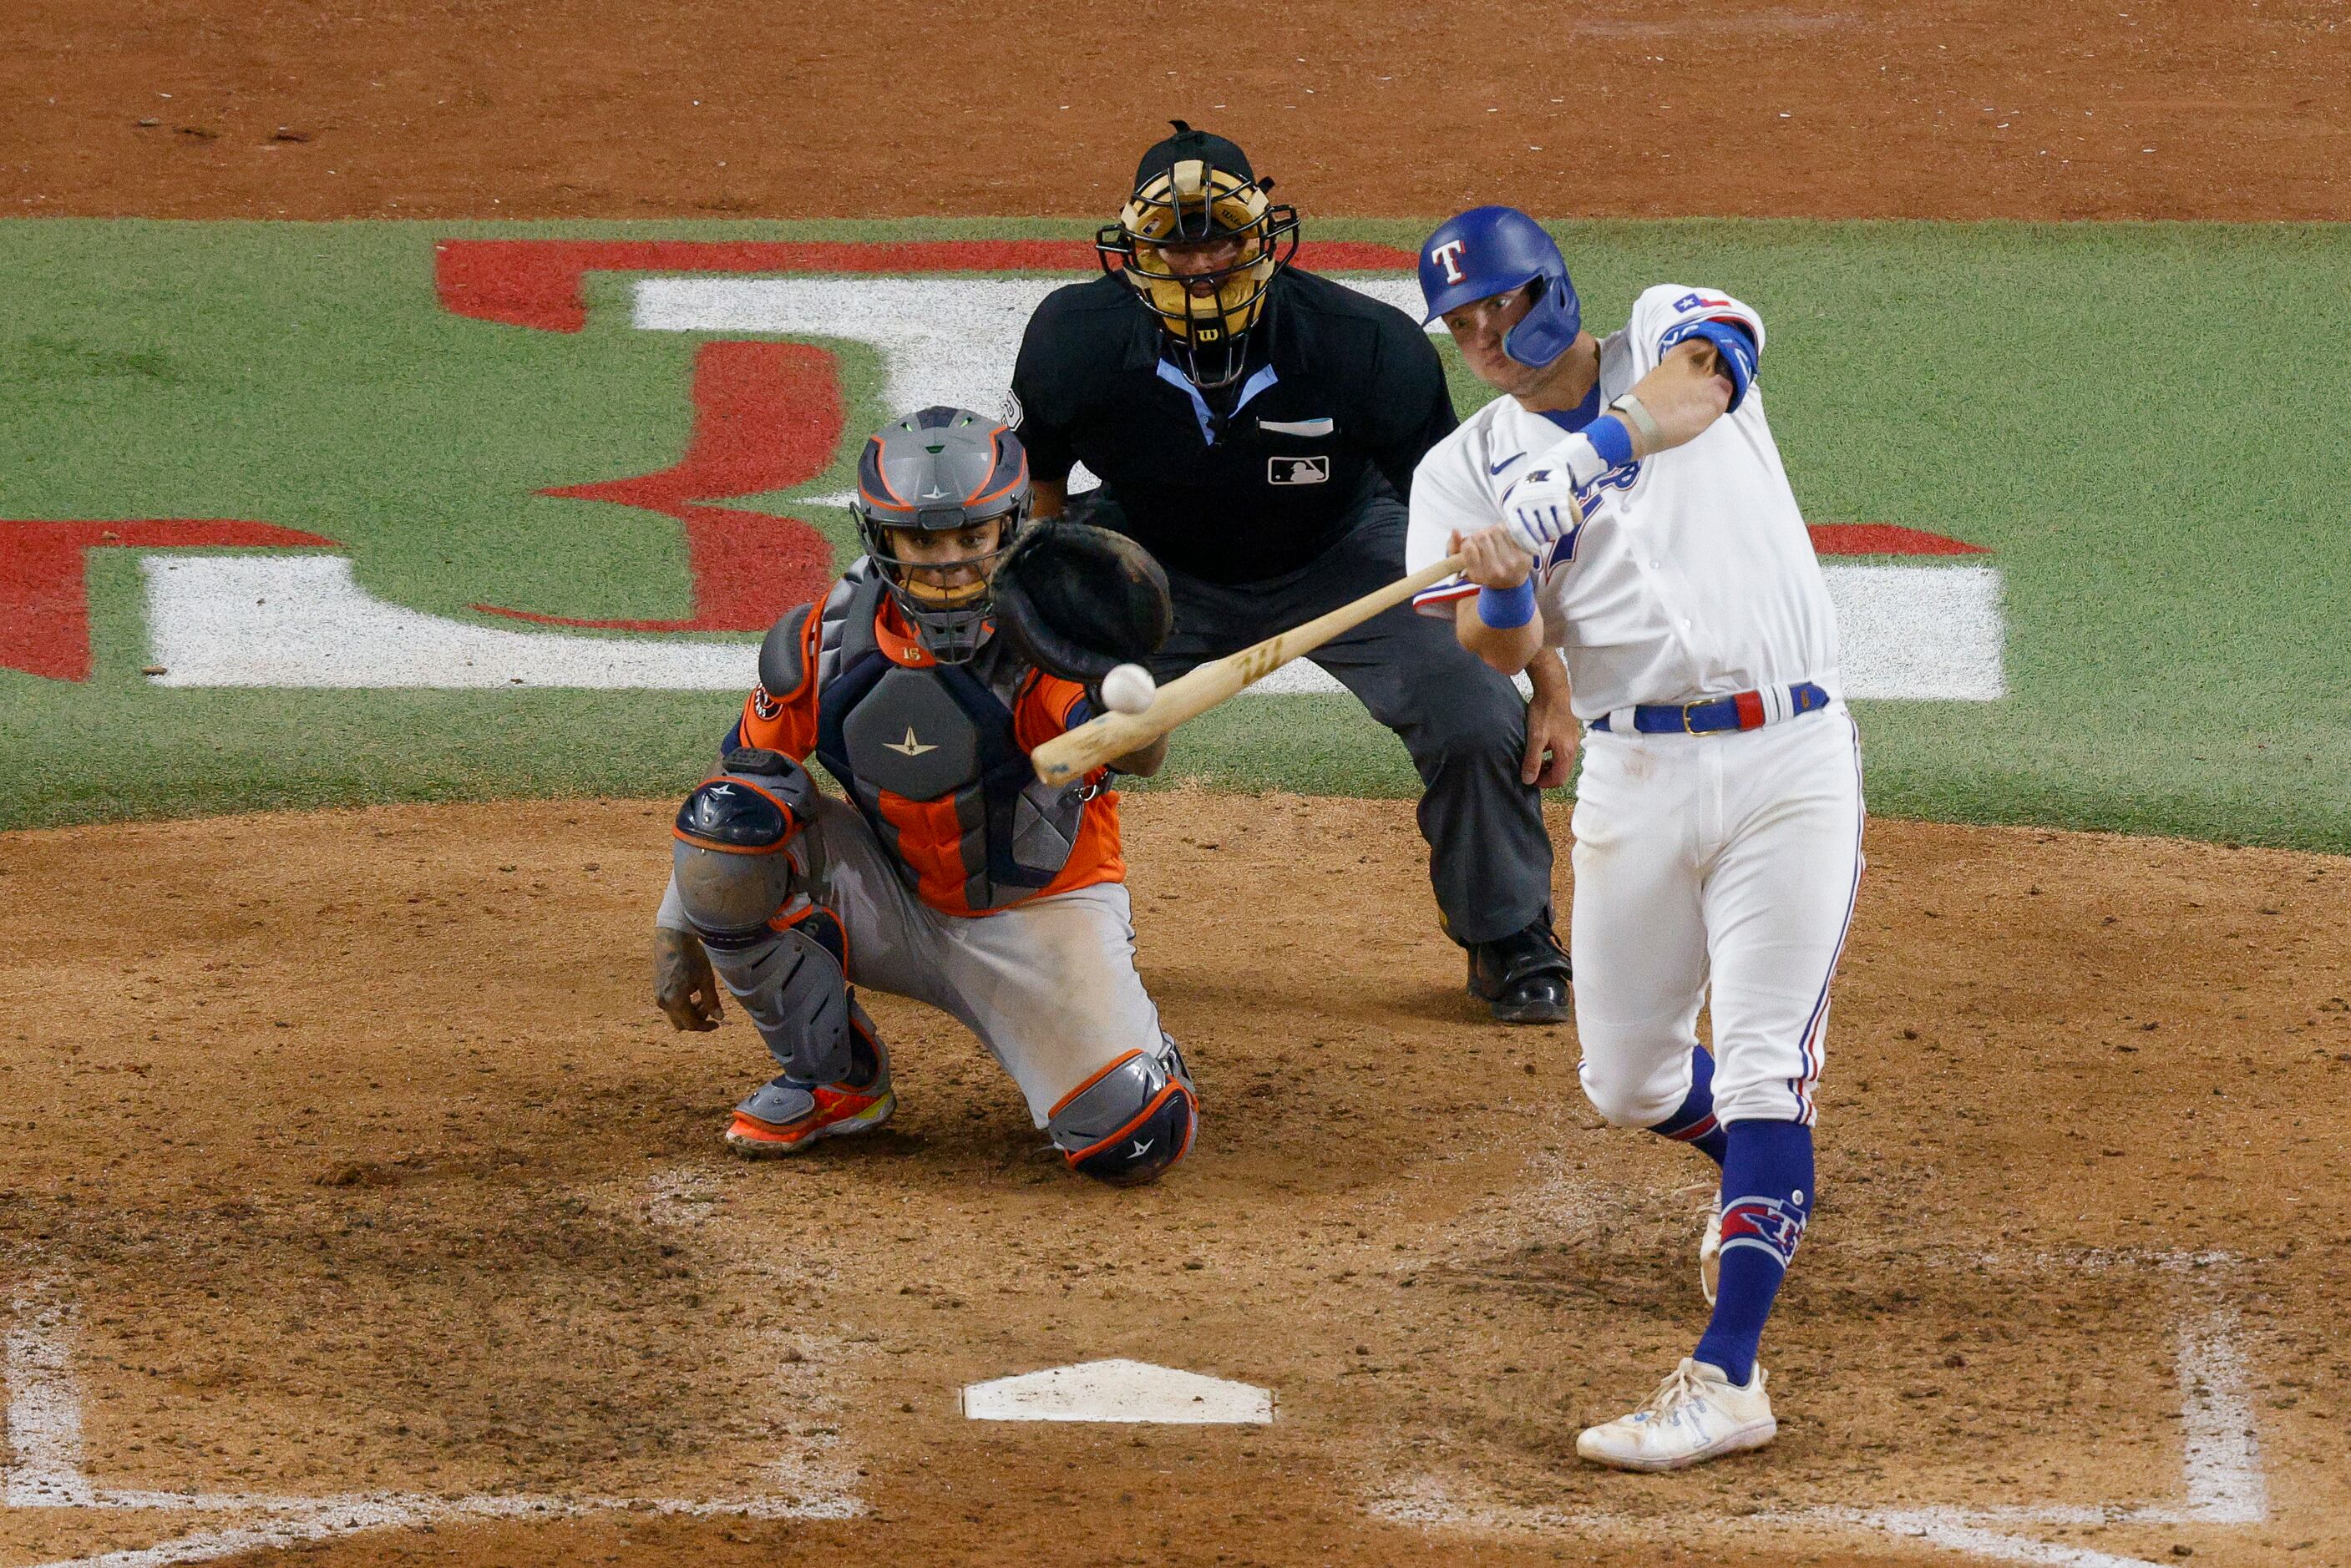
(1743,710)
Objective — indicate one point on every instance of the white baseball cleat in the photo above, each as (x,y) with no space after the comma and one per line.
(1696,1415)
(1709,1253)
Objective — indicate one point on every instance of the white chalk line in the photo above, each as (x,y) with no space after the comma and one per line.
(44,1404)
(45,1459)
(2220,1461)
(1426,1504)
(313,1519)
(687,1198)
(2225,1483)
(1960,1530)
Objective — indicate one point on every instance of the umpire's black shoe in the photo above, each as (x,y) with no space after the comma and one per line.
(1524,975)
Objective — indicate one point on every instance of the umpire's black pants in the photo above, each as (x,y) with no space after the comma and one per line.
(1490,857)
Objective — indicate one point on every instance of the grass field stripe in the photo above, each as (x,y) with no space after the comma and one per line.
(244,620)
(312,377)
(539,283)
(1921,633)
(305,621)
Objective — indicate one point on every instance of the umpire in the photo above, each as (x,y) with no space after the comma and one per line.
(1256,429)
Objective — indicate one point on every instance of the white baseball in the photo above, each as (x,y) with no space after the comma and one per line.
(1128,688)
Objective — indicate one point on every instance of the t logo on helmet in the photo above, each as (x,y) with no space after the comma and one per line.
(1448,256)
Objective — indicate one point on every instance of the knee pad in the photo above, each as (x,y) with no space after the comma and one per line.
(794,986)
(729,861)
(1130,1121)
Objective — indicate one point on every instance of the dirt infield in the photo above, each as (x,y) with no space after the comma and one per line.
(355,1200)
(2203,109)
(349,1160)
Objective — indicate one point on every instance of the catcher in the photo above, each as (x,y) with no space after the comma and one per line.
(960,639)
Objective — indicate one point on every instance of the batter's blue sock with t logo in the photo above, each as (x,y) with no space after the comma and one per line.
(1693,1120)
(1767,1195)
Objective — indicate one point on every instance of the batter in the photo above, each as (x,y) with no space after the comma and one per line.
(1623,508)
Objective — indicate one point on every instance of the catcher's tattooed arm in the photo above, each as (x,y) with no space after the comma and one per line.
(683,987)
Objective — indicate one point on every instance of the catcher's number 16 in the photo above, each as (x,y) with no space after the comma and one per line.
(1073,755)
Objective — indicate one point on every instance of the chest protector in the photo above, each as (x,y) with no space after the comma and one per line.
(929,756)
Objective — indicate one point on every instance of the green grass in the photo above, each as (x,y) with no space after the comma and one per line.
(2138,418)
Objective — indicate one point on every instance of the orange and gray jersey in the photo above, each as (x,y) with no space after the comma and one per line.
(935,757)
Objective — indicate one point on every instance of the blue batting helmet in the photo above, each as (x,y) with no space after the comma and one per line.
(1487,250)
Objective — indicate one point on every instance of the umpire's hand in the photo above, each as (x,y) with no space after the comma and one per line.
(683,986)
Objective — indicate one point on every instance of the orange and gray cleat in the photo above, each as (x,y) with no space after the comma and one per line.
(786,1115)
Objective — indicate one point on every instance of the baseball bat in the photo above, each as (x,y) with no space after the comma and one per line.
(1080,752)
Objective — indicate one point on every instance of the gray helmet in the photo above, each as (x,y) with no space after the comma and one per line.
(937,472)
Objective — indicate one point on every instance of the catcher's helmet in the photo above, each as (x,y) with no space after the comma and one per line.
(934,472)
(1189,188)
(1487,250)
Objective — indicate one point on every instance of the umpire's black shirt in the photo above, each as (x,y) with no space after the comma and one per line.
(1339,384)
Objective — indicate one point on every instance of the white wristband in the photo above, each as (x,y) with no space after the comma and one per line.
(1643,421)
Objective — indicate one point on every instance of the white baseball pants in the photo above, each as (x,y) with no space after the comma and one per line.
(1718,868)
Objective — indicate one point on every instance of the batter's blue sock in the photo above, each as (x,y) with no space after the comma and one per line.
(1767,1195)
(1693,1120)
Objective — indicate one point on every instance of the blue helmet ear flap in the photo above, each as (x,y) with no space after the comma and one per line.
(1549,325)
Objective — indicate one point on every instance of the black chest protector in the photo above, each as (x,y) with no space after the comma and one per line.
(936,736)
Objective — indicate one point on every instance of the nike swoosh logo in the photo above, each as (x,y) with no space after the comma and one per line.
(1506,463)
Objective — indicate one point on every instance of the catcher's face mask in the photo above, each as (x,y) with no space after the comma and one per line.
(944,570)
(1201,246)
(940,495)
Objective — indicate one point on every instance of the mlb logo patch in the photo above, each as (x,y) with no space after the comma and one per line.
(1297,470)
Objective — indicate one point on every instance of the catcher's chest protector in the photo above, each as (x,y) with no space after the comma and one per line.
(929,755)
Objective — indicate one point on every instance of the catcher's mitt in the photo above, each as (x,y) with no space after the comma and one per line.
(1077,601)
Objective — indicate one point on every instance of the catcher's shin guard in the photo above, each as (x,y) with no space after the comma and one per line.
(794,986)
(1130,1121)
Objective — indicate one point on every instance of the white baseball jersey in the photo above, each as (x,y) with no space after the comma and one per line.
(1692,575)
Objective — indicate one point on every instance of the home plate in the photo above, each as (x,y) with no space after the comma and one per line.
(1118,1391)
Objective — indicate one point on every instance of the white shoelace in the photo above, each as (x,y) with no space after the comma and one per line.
(1680,1385)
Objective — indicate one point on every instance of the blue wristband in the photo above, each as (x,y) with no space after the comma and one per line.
(1505,608)
(1611,439)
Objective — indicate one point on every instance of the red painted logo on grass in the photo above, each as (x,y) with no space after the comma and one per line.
(45,579)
